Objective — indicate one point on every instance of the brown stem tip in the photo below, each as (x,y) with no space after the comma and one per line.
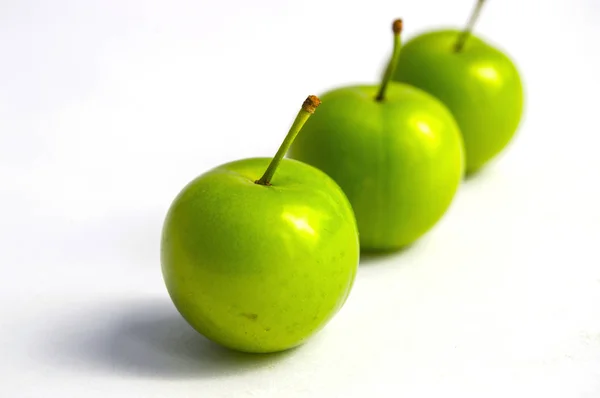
(311,103)
(397,26)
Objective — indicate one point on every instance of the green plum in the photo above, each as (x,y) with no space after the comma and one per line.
(395,150)
(477,82)
(260,265)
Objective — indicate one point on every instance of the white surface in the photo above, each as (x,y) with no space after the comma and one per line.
(107,110)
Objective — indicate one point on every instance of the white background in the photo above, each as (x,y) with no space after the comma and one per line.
(108,108)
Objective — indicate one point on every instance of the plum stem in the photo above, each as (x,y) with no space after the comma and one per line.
(391,66)
(308,108)
(464,35)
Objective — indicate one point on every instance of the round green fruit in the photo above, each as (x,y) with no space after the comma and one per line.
(395,150)
(260,265)
(478,83)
